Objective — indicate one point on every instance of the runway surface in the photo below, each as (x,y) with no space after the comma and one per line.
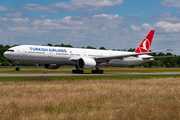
(88,74)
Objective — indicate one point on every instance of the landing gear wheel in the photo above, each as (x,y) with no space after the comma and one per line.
(78,71)
(97,71)
(101,71)
(17,69)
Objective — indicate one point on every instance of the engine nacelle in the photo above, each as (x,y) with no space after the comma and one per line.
(52,66)
(86,63)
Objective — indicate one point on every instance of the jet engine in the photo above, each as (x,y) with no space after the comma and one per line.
(86,63)
(52,66)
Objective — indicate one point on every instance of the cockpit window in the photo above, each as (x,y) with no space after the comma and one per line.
(10,50)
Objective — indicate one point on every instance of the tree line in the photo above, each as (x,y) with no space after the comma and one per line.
(160,62)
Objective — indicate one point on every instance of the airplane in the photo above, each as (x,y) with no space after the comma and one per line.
(55,57)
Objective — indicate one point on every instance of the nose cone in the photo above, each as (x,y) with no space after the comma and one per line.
(5,54)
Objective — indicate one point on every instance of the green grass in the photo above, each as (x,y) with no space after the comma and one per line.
(72,78)
(144,70)
(69,70)
(89,71)
(22,72)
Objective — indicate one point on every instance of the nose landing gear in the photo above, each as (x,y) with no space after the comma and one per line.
(17,66)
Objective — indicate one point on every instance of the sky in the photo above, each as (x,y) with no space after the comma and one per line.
(113,24)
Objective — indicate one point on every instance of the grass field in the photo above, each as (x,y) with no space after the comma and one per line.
(131,97)
(69,69)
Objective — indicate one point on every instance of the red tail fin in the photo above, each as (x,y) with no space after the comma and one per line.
(146,43)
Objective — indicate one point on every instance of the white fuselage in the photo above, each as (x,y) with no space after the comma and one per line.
(63,55)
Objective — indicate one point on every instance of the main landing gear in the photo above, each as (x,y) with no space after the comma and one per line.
(78,71)
(97,71)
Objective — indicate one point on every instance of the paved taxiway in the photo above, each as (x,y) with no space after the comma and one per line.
(88,74)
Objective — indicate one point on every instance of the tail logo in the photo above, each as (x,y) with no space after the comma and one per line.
(146,44)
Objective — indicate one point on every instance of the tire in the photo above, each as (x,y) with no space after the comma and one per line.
(101,71)
(17,69)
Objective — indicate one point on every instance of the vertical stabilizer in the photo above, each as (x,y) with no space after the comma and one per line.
(146,43)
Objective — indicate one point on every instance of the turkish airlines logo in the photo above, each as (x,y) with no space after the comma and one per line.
(145,45)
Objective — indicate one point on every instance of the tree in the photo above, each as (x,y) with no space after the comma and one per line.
(161,54)
(131,49)
(169,54)
(89,47)
(49,44)
(168,65)
(7,46)
(102,48)
(57,45)
(146,65)
(151,63)
(68,45)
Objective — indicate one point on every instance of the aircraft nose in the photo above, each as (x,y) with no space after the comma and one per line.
(5,54)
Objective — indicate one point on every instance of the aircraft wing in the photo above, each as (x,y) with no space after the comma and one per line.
(107,58)
(161,56)
(126,55)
